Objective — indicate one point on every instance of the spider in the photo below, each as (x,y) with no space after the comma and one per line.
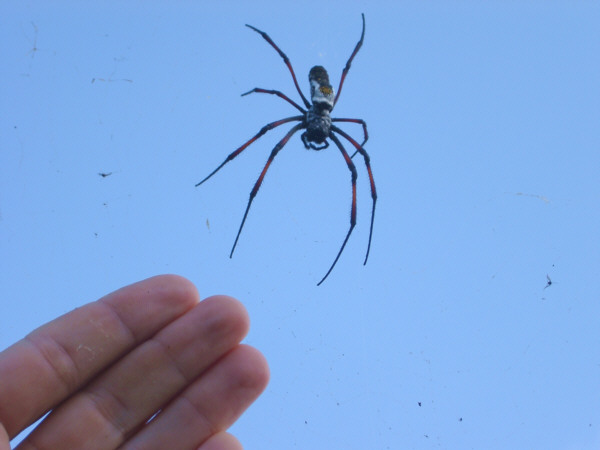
(319,126)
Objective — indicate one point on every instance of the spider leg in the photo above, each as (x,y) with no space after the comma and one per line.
(347,68)
(353,207)
(367,159)
(279,94)
(262,131)
(258,183)
(361,122)
(286,60)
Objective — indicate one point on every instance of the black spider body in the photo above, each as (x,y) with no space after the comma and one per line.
(319,126)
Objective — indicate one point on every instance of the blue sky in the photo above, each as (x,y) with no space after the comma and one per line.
(484,141)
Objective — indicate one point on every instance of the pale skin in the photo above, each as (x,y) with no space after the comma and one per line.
(107,367)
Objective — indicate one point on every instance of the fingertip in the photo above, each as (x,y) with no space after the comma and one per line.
(232,309)
(222,441)
(176,287)
(256,368)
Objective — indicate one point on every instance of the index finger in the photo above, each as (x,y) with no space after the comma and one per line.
(58,358)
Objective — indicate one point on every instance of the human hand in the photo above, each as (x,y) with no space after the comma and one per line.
(107,368)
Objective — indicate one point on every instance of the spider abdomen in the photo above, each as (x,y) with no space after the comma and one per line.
(318,120)
(321,91)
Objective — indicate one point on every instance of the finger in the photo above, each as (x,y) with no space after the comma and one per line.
(123,398)
(210,405)
(58,358)
(222,441)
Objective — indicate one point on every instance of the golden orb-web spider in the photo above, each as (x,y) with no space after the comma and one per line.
(318,123)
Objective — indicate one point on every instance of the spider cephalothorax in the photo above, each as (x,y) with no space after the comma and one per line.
(318,123)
